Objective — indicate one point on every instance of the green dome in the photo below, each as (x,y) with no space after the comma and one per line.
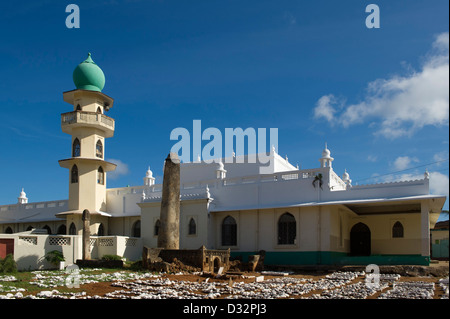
(88,76)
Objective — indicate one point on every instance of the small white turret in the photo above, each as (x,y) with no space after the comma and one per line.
(326,159)
(22,199)
(149,180)
(221,173)
(346,178)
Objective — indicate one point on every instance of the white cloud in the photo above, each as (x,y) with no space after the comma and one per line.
(400,105)
(404,162)
(121,169)
(439,184)
(325,108)
(440,157)
(372,158)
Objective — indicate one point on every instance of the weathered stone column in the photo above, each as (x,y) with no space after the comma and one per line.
(169,232)
(86,217)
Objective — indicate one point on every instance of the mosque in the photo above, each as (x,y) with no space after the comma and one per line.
(297,216)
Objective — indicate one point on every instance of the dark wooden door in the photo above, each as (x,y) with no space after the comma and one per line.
(360,240)
(6,247)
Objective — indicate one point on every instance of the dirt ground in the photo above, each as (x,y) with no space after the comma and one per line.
(102,288)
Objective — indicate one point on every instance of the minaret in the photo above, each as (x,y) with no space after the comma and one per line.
(22,199)
(221,173)
(89,128)
(326,159)
(149,180)
(346,179)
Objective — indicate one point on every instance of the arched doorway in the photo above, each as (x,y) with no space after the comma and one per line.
(136,231)
(216,265)
(61,230)
(101,230)
(229,232)
(360,240)
(47,228)
(72,229)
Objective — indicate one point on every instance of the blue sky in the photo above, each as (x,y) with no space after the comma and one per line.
(312,69)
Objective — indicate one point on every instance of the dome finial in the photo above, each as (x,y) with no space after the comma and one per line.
(88,76)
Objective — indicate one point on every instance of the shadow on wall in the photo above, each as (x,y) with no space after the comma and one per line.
(32,262)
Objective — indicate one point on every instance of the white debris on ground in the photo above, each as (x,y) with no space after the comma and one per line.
(52,279)
(410,290)
(137,285)
(443,283)
(8,278)
(359,290)
(9,288)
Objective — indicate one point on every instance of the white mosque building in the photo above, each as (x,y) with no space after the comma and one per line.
(298,217)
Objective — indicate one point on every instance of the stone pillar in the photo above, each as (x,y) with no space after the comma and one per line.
(425,228)
(86,217)
(169,232)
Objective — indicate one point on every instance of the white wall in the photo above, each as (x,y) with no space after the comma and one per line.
(196,209)
(30,249)
(382,241)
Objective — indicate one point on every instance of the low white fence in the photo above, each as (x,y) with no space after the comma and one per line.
(30,249)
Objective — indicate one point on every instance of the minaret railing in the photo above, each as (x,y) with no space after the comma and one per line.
(80,117)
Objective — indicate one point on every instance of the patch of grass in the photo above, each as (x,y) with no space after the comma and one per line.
(36,281)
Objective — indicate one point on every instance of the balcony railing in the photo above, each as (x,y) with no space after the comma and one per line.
(79,117)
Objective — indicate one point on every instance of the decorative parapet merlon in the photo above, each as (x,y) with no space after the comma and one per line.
(80,118)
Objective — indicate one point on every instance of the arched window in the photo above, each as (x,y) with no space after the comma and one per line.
(397,230)
(229,232)
(137,229)
(192,227)
(76,148)
(72,229)
(287,229)
(99,110)
(100,176)
(99,149)
(61,230)
(156,228)
(74,174)
(101,230)
(78,108)
(8,230)
(47,228)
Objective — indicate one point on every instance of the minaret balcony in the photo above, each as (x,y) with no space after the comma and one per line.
(71,120)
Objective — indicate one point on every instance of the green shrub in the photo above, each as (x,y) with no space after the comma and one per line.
(111,257)
(8,265)
(54,257)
